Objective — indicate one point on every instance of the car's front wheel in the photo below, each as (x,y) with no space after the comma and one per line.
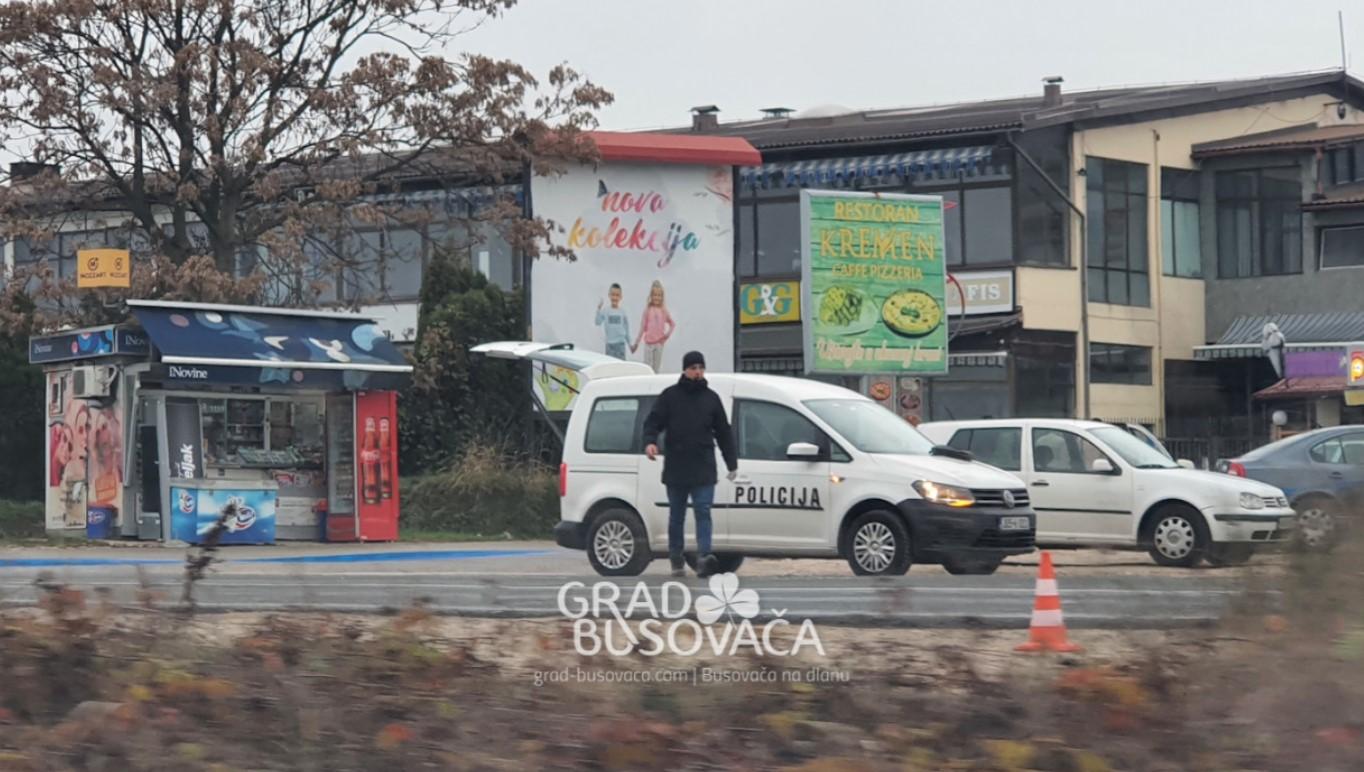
(878,545)
(617,544)
(1178,536)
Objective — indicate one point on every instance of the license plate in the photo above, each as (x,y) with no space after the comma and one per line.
(1014,524)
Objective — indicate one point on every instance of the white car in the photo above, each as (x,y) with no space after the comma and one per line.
(1096,484)
(823,472)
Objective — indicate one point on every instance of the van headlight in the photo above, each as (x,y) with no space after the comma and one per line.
(947,495)
(1251,501)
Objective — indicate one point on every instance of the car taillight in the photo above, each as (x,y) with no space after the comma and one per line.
(1236,468)
(563,480)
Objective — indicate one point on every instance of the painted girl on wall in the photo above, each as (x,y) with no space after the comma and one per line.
(73,484)
(656,327)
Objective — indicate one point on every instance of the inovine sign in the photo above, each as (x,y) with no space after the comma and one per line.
(654,267)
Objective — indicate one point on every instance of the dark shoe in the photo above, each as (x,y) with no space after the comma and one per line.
(679,567)
(707,566)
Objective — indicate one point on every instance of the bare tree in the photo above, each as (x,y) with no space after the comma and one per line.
(255,121)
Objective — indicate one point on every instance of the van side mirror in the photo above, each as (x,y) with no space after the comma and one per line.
(1102,466)
(803,451)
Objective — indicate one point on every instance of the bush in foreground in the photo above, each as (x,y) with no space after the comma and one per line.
(486,491)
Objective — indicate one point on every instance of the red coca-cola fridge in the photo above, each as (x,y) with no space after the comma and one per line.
(362,470)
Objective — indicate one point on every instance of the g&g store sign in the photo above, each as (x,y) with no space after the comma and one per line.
(769,302)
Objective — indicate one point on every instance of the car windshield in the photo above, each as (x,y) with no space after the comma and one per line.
(869,427)
(1133,450)
(1143,434)
(1273,447)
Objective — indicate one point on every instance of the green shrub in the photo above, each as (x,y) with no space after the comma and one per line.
(21,520)
(486,491)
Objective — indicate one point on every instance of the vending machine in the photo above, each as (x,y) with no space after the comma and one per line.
(362,466)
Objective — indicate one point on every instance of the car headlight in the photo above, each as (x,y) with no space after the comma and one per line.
(948,495)
(1251,501)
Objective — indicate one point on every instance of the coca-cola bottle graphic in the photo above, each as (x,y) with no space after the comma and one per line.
(385,460)
(369,464)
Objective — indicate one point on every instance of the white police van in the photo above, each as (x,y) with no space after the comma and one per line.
(823,472)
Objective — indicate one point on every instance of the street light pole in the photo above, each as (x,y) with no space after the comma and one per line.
(1084,266)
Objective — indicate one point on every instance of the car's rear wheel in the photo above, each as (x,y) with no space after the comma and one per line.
(617,544)
(878,545)
(1178,536)
(1318,524)
(725,562)
(969,566)
(1230,554)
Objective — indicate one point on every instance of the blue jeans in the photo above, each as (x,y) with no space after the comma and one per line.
(702,497)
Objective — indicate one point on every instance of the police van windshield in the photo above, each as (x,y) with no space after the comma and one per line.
(869,427)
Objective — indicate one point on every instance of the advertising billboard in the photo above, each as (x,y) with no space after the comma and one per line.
(654,267)
(250,514)
(874,283)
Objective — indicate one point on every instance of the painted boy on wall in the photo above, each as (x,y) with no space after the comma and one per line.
(614,323)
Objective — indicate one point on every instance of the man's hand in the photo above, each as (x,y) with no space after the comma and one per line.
(733,474)
(651,451)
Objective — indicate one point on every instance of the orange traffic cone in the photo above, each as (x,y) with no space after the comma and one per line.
(1048,630)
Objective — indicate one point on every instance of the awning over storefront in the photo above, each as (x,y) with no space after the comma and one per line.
(1304,332)
(1300,388)
(824,171)
(277,345)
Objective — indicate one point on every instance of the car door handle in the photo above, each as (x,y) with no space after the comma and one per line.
(1337,475)
(1041,484)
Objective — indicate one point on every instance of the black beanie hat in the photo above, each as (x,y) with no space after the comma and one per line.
(693,358)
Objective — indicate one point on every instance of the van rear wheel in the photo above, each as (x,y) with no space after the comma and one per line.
(878,545)
(617,544)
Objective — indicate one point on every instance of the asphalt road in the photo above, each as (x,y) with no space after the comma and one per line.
(527,583)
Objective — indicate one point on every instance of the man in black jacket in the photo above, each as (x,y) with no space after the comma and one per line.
(693,420)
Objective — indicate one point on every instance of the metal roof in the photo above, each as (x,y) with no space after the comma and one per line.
(1301,331)
(994,116)
(1341,197)
(1297,138)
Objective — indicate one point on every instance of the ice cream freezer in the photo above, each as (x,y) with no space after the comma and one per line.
(249,510)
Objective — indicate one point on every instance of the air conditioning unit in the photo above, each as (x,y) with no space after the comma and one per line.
(93,381)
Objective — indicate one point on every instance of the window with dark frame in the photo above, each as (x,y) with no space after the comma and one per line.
(1043,218)
(1116,220)
(1342,246)
(1181,251)
(1346,164)
(1117,363)
(1259,222)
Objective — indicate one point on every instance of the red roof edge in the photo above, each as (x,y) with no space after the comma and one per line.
(675,149)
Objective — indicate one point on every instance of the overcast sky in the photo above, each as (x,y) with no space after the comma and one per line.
(661,58)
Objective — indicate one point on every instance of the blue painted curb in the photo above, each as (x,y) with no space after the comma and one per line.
(357,557)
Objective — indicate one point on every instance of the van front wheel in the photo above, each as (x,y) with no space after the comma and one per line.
(878,545)
(617,544)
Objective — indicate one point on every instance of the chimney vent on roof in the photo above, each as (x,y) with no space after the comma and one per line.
(1051,91)
(705,118)
(777,112)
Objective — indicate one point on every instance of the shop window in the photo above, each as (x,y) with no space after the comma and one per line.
(1114,363)
(476,243)
(969,392)
(977,223)
(1180,248)
(1259,222)
(1043,217)
(747,238)
(778,229)
(1342,247)
(1347,164)
(1044,378)
(1116,222)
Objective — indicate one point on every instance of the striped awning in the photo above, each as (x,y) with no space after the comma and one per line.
(977,358)
(475,196)
(941,162)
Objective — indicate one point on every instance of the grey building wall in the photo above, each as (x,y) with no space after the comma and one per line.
(1311,291)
